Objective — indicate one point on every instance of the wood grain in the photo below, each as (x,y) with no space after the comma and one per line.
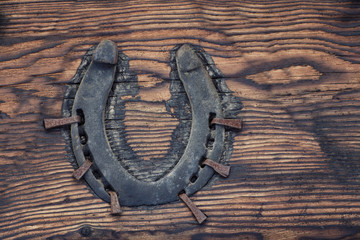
(294,64)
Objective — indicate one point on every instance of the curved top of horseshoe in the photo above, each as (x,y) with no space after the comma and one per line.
(90,101)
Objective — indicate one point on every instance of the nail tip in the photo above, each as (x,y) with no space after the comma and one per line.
(45,124)
(116,213)
(76,175)
(227,171)
(201,218)
(201,221)
(48,124)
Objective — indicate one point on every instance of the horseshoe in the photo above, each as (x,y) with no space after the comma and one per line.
(89,139)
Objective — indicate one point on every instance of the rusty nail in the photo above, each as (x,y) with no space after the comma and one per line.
(219,168)
(57,122)
(78,173)
(234,123)
(198,214)
(115,205)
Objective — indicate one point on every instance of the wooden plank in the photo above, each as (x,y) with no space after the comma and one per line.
(294,64)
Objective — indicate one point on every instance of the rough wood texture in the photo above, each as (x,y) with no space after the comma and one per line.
(295,166)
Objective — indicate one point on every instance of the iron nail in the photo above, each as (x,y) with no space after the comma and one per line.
(78,173)
(218,167)
(58,122)
(115,205)
(234,123)
(198,214)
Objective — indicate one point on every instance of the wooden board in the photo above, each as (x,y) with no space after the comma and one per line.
(294,64)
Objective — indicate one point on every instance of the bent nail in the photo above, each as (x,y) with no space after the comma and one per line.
(79,173)
(198,214)
(58,122)
(219,168)
(234,123)
(114,203)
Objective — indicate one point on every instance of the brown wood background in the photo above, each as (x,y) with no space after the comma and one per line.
(295,166)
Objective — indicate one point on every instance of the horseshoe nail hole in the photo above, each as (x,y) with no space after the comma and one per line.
(86,151)
(211,117)
(108,188)
(88,156)
(201,162)
(181,192)
(96,173)
(83,139)
(193,178)
(80,113)
(82,135)
(210,143)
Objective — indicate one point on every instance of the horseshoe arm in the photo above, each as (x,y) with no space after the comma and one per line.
(90,102)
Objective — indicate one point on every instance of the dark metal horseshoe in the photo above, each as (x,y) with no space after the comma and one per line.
(89,140)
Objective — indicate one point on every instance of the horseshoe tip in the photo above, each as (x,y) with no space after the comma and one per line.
(183,49)
(187,59)
(106,52)
(185,46)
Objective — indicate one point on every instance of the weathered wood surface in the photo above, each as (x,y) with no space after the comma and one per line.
(295,166)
